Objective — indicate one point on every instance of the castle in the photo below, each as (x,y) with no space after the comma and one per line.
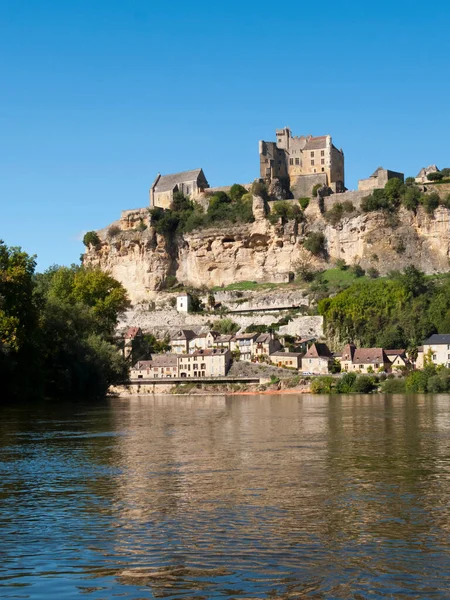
(302,162)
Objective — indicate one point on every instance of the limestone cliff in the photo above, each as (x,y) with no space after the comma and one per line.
(142,259)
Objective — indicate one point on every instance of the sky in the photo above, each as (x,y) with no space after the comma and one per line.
(97,96)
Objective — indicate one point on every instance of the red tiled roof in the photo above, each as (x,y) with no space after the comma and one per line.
(133,332)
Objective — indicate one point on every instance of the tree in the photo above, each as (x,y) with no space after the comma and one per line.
(437,176)
(91,239)
(315,190)
(236,192)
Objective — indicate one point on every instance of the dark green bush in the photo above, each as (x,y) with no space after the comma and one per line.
(315,189)
(304,203)
(236,192)
(435,176)
(315,243)
(113,231)
(91,239)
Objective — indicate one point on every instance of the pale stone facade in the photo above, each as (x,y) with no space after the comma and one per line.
(179,344)
(304,161)
(184,303)
(317,359)
(190,183)
(214,362)
(378,179)
(364,360)
(422,175)
(437,348)
(159,367)
(291,360)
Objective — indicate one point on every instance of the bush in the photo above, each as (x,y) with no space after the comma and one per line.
(286,210)
(91,239)
(225,326)
(357,271)
(236,192)
(341,264)
(304,203)
(435,176)
(373,273)
(364,384)
(322,385)
(393,386)
(410,180)
(345,383)
(260,189)
(113,231)
(430,202)
(142,226)
(170,281)
(315,243)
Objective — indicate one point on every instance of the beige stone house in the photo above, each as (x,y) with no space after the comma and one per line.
(422,175)
(364,360)
(437,347)
(265,344)
(190,183)
(184,302)
(244,343)
(378,179)
(305,161)
(317,359)
(159,367)
(203,341)
(179,344)
(214,362)
(399,359)
(292,360)
(225,341)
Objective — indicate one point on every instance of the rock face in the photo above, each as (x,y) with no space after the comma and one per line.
(262,252)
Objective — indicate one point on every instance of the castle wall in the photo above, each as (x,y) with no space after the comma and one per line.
(301,186)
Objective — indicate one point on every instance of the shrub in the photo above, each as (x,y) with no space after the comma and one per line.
(445,201)
(430,202)
(345,383)
(315,189)
(91,239)
(142,226)
(411,197)
(393,386)
(341,264)
(171,281)
(334,215)
(435,176)
(445,172)
(357,271)
(373,273)
(322,385)
(410,181)
(304,203)
(315,243)
(113,231)
(364,384)
(260,189)
(225,326)
(236,192)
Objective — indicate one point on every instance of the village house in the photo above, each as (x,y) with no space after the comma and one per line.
(317,359)
(437,349)
(214,362)
(291,360)
(418,362)
(190,183)
(422,175)
(203,341)
(225,341)
(364,360)
(130,335)
(265,344)
(244,343)
(398,359)
(179,344)
(159,367)
(304,343)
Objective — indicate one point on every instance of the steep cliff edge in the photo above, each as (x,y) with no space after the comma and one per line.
(143,260)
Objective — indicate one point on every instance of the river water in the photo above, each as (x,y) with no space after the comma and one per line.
(227,497)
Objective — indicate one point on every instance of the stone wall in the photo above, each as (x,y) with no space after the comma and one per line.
(301,187)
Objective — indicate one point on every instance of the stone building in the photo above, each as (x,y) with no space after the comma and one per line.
(159,367)
(184,302)
(214,362)
(378,179)
(437,349)
(422,175)
(317,359)
(291,360)
(190,183)
(302,162)
(364,360)
(179,344)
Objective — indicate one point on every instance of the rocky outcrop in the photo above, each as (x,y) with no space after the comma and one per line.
(143,260)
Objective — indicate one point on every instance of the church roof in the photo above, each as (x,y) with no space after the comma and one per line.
(168,182)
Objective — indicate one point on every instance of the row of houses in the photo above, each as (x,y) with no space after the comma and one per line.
(214,362)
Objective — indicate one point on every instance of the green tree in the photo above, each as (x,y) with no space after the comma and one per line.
(315,243)
(236,192)
(91,239)
(225,326)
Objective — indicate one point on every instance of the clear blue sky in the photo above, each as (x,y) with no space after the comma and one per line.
(98,96)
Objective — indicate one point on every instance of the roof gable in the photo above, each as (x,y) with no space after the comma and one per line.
(169,182)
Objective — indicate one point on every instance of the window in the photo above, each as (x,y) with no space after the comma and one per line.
(195,366)
(312,163)
(188,190)
(297,161)
(434,357)
(312,154)
(323,169)
(203,367)
(322,153)
(322,162)
(279,140)
(291,161)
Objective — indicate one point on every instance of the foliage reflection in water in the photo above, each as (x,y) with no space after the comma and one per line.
(242,497)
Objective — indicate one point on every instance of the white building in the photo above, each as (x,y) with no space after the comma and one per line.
(184,302)
(437,348)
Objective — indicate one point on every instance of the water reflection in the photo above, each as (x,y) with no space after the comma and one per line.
(237,497)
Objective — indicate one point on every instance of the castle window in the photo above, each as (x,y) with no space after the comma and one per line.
(279,140)
(291,161)
(297,161)
(323,169)
(312,163)
(188,190)
(322,153)
(312,154)
(322,161)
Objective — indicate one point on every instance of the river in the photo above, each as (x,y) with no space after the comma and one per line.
(226,497)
